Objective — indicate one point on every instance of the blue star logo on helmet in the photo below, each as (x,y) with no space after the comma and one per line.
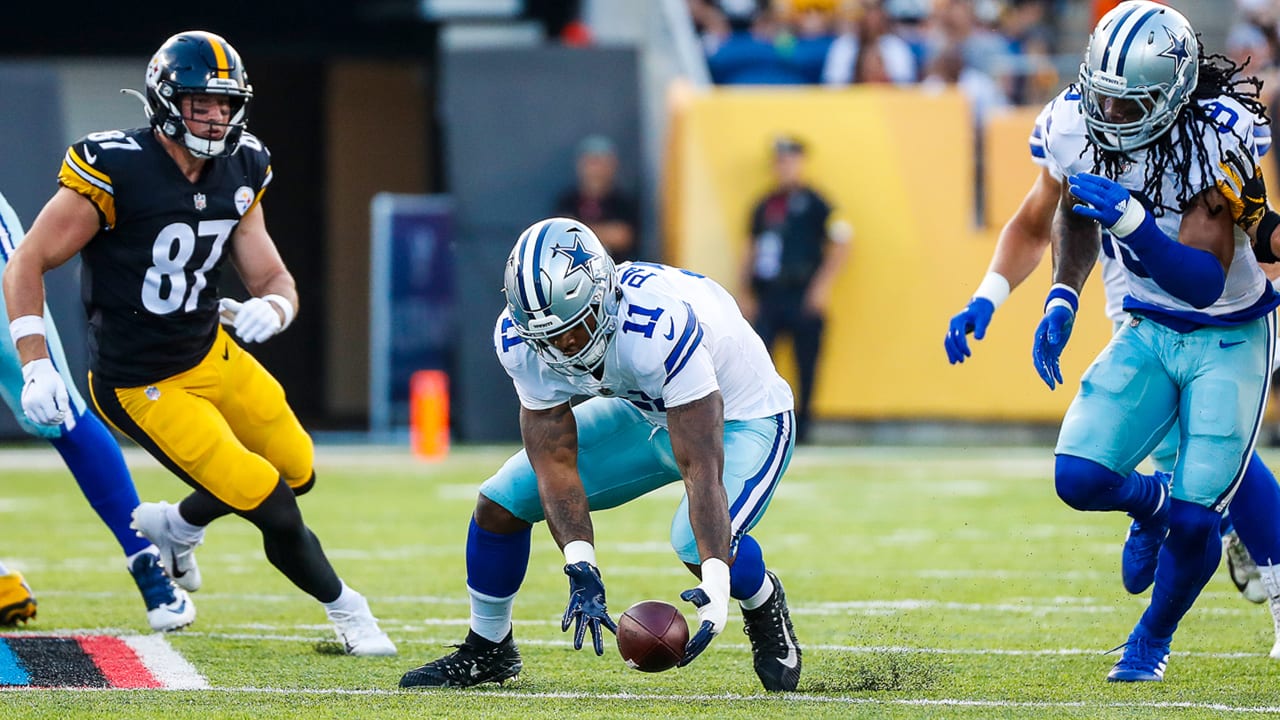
(579,257)
(1177,50)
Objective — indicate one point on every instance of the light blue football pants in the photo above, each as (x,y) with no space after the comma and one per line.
(622,456)
(1212,382)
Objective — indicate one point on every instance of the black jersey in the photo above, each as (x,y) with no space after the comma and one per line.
(789,228)
(150,276)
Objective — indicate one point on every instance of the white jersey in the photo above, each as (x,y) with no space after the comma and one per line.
(680,337)
(1067,152)
(1114,284)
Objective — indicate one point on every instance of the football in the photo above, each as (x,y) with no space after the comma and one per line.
(652,635)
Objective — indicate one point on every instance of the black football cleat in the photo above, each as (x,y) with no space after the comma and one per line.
(775,652)
(477,660)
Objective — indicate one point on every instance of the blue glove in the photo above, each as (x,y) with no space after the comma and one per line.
(1051,337)
(1102,199)
(586,606)
(973,319)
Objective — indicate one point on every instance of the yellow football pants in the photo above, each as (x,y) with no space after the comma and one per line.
(223,425)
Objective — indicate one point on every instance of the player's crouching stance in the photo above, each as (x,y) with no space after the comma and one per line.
(683,389)
(154,213)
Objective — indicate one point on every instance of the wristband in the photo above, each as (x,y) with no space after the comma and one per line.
(26,325)
(994,288)
(286,308)
(715,572)
(1134,214)
(579,551)
(1061,295)
(1262,245)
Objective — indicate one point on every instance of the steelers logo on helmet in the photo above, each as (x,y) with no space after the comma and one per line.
(198,63)
(559,279)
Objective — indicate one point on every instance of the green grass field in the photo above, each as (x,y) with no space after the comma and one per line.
(923,583)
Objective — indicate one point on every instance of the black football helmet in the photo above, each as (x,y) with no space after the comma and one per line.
(196,62)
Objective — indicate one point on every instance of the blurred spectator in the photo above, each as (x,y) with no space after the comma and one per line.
(710,24)
(598,201)
(750,55)
(910,22)
(958,25)
(796,251)
(948,68)
(870,51)
(1023,24)
(1253,38)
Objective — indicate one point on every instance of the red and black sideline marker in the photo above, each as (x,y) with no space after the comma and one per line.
(94,661)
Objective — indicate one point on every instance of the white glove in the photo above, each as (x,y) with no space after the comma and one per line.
(256,319)
(44,395)
(711,598)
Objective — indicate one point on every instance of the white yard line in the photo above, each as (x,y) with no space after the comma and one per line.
(498,694)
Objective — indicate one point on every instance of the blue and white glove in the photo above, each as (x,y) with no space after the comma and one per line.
(44,394)
(1053,332)
(1106,201)
(711,598)
(256,319)
(586,609)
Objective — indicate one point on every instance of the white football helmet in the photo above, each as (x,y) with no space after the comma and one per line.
(558,277)
(1142,52)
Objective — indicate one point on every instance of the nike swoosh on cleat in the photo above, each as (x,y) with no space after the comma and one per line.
(790,660)
(173,568)
(1225,344)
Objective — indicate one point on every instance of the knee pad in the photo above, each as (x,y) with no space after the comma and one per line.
(1082,483)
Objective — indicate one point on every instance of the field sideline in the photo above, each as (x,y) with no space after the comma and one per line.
(924,582)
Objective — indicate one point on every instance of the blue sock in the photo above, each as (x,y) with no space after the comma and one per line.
(98,466)
(1187,561)
(1086,485)
(1254,511)
(746,574)
(496,563)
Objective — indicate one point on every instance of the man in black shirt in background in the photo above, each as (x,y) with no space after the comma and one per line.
(796,251)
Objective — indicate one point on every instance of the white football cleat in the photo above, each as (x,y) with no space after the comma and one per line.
(176,556)
(168,607)
(1242,569)
(359,633)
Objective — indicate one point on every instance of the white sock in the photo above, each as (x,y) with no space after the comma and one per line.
(347,601)
(760,597)
(182,530)
(128,560)
(491,616)
(3,570)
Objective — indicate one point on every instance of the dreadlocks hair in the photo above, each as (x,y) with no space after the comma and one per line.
(1183,142)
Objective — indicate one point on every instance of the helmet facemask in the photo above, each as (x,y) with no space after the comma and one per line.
(176,127)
